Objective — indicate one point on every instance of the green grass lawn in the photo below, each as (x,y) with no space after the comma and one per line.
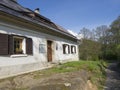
(96,70)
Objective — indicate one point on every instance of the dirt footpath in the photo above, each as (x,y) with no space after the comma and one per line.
(36,81)
(113,78)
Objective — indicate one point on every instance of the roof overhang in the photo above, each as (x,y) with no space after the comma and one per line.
(34,25)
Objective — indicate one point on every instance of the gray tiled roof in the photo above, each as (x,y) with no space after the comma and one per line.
(13,5)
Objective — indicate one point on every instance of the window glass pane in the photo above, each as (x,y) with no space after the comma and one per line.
(18,46)
(66,49)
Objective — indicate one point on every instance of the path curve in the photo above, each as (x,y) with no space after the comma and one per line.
(113,78)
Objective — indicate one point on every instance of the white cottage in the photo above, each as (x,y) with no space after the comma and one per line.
(30,41)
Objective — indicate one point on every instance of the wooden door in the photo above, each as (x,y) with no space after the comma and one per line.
(49,51)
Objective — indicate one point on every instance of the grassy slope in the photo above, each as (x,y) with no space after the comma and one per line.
(96,70)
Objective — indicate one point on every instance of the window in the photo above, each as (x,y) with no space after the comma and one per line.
(14,44)
(66,49)
(73,49)
(22,45)
(18,45)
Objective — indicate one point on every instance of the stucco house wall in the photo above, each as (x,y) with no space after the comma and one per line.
(17,64)
(27,39)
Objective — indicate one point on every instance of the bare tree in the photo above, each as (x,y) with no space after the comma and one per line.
(86,33)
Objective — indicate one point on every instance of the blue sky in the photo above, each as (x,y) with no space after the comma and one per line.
(76,14)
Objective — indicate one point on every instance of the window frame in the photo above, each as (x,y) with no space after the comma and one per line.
(73,49)
(66,49)
(7,45)
(20,49)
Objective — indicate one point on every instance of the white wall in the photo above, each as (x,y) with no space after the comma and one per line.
(11,66)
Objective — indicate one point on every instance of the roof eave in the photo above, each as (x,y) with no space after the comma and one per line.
(38,23)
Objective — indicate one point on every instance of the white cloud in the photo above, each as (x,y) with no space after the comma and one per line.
(73,33)
(79,36)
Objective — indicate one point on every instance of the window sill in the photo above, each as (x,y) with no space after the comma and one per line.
(18,55)
(73,53)
(66,53)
